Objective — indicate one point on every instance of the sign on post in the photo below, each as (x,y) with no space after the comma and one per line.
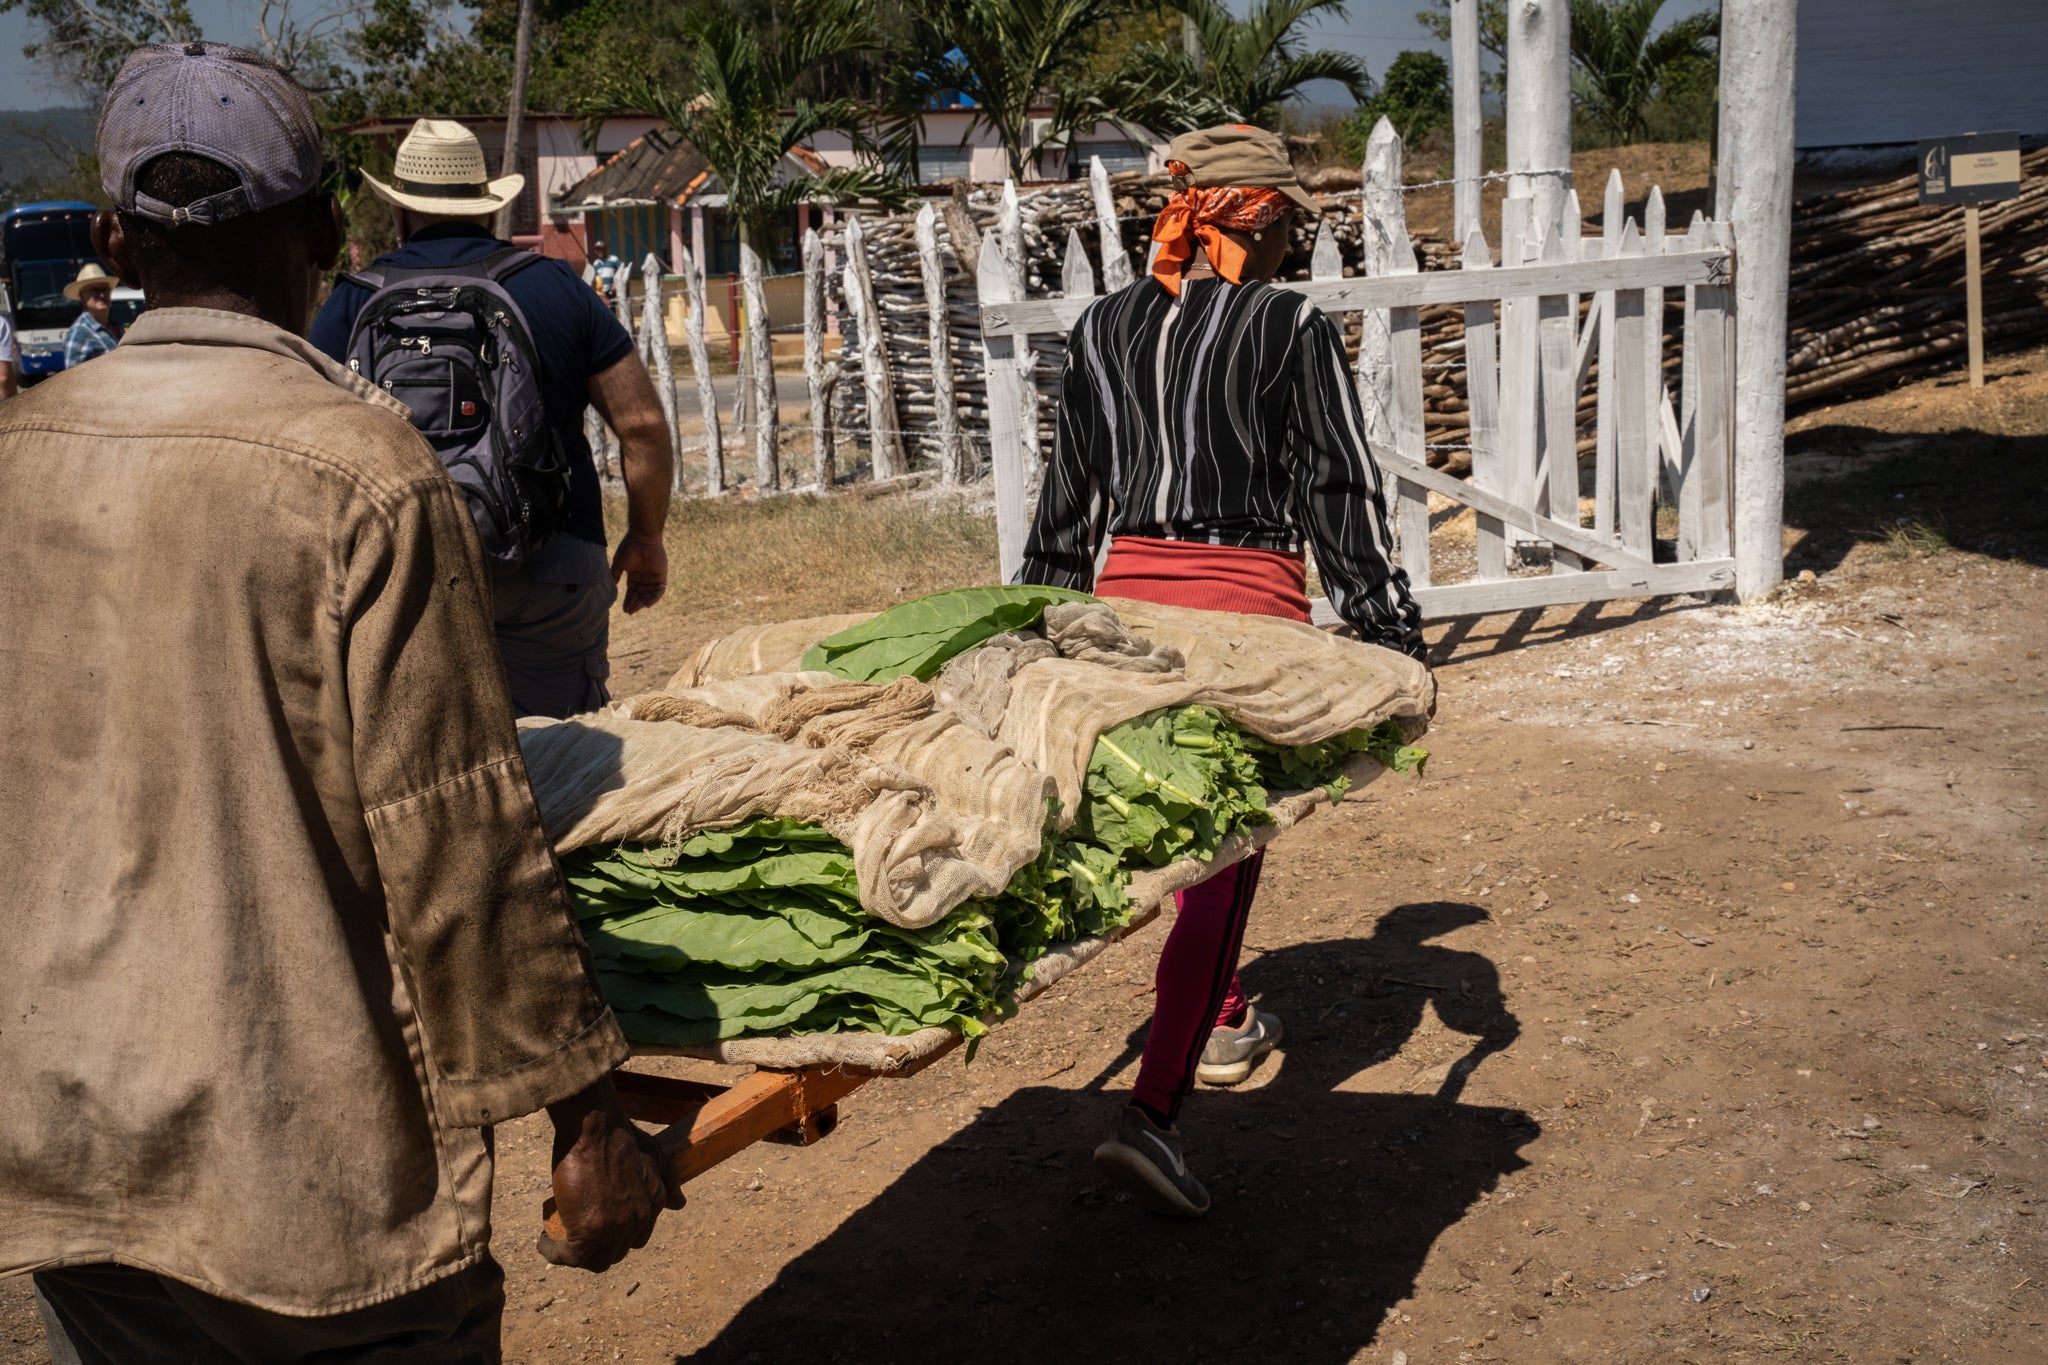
(1973,169)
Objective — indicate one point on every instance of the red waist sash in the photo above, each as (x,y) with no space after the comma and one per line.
(1185,573)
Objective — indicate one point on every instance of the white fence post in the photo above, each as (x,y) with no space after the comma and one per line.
(759,345)
(1466,126)
(654,350)
(1482,394)
(1381,217)
(1012,405)
(1557,485)
(1759,40)
(821,375)
(1539,105)
(1116,262)
(1077,277)
(1603,397)
(885,442)
(700,367)
(939,334)
(1009,235)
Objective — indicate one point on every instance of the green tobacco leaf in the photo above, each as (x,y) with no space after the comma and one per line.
(920,637)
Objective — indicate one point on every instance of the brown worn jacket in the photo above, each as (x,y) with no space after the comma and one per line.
(282,932)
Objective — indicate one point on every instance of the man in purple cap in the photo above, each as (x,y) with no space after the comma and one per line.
(285,936)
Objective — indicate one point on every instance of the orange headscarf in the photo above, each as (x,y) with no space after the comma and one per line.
(1198,214)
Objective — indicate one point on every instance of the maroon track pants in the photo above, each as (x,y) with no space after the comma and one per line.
(1196,987)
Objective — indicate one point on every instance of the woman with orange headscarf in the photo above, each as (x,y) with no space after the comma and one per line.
(1208,425)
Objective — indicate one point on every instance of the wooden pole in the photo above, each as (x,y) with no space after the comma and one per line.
(885,441)
(939,335)
(654,350)
(1973,256)
(823,375)
(1116,262)
(1466,140)
(760,352)
(1011,404)
(700,366)
(1759,44)
(1539,104)
(515,112)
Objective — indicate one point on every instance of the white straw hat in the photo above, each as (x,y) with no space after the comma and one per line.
(88,277)
(440,169)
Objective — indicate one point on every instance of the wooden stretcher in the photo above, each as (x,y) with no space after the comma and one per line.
(703,1122)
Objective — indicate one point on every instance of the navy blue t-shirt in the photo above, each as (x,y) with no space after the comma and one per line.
(574,332)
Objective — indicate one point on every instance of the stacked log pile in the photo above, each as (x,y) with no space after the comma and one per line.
(1877,283)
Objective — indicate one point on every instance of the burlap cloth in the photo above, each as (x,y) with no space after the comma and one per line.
(942,790)
(1048,699)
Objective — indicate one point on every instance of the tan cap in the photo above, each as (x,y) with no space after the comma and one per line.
(1239,154)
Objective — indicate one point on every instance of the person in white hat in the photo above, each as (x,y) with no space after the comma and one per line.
(552,616)
(93,331)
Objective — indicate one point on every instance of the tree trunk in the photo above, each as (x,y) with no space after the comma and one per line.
(515,114)
(767,464)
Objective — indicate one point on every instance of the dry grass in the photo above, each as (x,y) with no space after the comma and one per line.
(737,562)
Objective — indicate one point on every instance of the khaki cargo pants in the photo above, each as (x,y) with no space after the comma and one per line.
(553,619)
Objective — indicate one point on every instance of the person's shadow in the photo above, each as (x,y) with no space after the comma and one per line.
(1002,1244)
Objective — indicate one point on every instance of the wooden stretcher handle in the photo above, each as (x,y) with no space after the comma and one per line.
(758,1107)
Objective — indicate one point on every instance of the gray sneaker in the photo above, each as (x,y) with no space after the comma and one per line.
(1146,1162)
(1231,1053)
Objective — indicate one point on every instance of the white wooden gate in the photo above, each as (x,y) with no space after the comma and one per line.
(1530,347)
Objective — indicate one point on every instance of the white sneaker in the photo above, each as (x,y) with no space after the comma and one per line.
(1231,1053)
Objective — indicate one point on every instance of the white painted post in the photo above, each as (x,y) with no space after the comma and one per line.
(1759,40)
(1466,125)
(1539,106)
(1077,276)
(761,351)
(1611,207)
(1116,262)
(1011,405)
(1520,363)
(654,350)
(1325,262)
(700,367)
(1381,214)
(1557,489)
(885,442)
(1009,236)
(1482,393)
(1655,234)
(1635,419)
(822,375)
(1390,350)
(939,334)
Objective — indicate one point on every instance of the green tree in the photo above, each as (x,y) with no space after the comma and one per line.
(1415,97)
(1244,70)
(80,44)
(748,98)
(1629,81)
(1008,56)
(1621,65)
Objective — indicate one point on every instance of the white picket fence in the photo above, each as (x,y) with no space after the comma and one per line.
(1553,312)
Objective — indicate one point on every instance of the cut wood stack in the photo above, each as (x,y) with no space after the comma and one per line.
(1877,283)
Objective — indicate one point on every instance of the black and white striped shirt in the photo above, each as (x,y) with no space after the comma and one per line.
(1226,416)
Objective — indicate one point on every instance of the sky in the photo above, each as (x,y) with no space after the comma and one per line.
(1376,30)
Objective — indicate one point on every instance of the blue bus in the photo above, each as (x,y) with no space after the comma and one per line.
(42,247)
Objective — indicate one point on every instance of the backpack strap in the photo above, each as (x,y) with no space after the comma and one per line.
(503,265)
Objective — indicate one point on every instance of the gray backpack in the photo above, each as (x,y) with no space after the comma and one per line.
(449,343)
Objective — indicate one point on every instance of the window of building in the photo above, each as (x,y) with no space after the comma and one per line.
(1118,154)
(944,162)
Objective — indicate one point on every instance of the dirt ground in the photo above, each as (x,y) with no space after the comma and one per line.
(1688,1009)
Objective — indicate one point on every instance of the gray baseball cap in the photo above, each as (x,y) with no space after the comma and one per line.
(223,103)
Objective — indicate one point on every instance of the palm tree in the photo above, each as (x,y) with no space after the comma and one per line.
(745,105)
(1239,71)
(1622,66)
(1007,56)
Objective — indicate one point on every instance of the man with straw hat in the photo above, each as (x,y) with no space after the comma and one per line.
(286,937)
(1209,425)
(552,615)
(92,331)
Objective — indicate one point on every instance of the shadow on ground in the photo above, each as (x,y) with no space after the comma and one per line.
(1003,1245)
(1919,493)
